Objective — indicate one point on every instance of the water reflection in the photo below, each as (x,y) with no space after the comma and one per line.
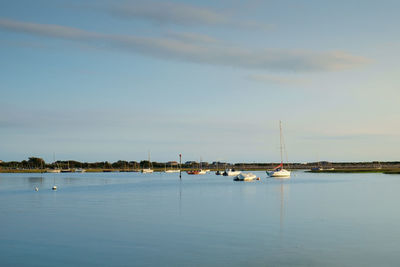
(284,186)
(180,195)
(35,180)
(72,180)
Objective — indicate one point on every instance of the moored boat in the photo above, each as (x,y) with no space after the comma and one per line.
(196,172)
(53,170)
(279,171)
(246,177)
(172,171)
(149,169)
(231,172)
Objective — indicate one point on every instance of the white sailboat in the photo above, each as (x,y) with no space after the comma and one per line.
(279,171)
(53,170)
(201,171)
(56,169)
(172,170)
(149,169)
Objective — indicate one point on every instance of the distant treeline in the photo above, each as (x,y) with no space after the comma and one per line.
(38,163)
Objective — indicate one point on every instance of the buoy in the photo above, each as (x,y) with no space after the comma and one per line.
(54,187)
(36,189)
(258,178)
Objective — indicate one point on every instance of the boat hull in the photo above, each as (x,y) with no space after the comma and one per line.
(231,173)
(172,171)
(246,177)
(53,171)
(282,174)
(197,172)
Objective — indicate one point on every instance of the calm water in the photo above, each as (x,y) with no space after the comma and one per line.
(133,219)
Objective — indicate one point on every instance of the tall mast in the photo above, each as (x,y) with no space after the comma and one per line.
(149,160)
(280,140)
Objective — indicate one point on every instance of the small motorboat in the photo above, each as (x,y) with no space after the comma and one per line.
(246,177)
(231,172)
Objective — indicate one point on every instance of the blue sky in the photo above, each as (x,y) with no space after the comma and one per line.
(109,80)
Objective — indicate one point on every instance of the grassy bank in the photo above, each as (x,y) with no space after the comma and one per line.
(347,170)
(22,171)
(96,170)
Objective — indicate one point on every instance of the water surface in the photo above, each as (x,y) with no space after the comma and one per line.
(133,219)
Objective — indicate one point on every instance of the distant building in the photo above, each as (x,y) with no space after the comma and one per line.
(190,162)
(172,163)
(1,161)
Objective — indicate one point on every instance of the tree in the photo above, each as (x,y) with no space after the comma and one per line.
(36,162)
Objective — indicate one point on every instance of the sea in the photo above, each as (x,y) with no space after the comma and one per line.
(160,219)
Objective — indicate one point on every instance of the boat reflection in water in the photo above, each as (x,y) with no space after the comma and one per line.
(284,186)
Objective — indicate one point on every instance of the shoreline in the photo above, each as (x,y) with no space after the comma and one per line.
(161,170)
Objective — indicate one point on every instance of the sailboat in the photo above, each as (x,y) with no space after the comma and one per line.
(172,170)
(67,169)
(279,171)
(56,169)
(199,171)
(149,169)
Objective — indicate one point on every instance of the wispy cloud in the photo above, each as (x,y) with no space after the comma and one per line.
(167,12)
(343,137)
(278,79)
(192,37)
(194,51)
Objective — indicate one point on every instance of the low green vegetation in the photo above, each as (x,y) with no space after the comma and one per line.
(38,165)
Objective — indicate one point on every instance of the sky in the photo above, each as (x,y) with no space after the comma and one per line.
(109,80)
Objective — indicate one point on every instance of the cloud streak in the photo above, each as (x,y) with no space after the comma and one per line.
(192,50)
(167,12)
(279,80)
